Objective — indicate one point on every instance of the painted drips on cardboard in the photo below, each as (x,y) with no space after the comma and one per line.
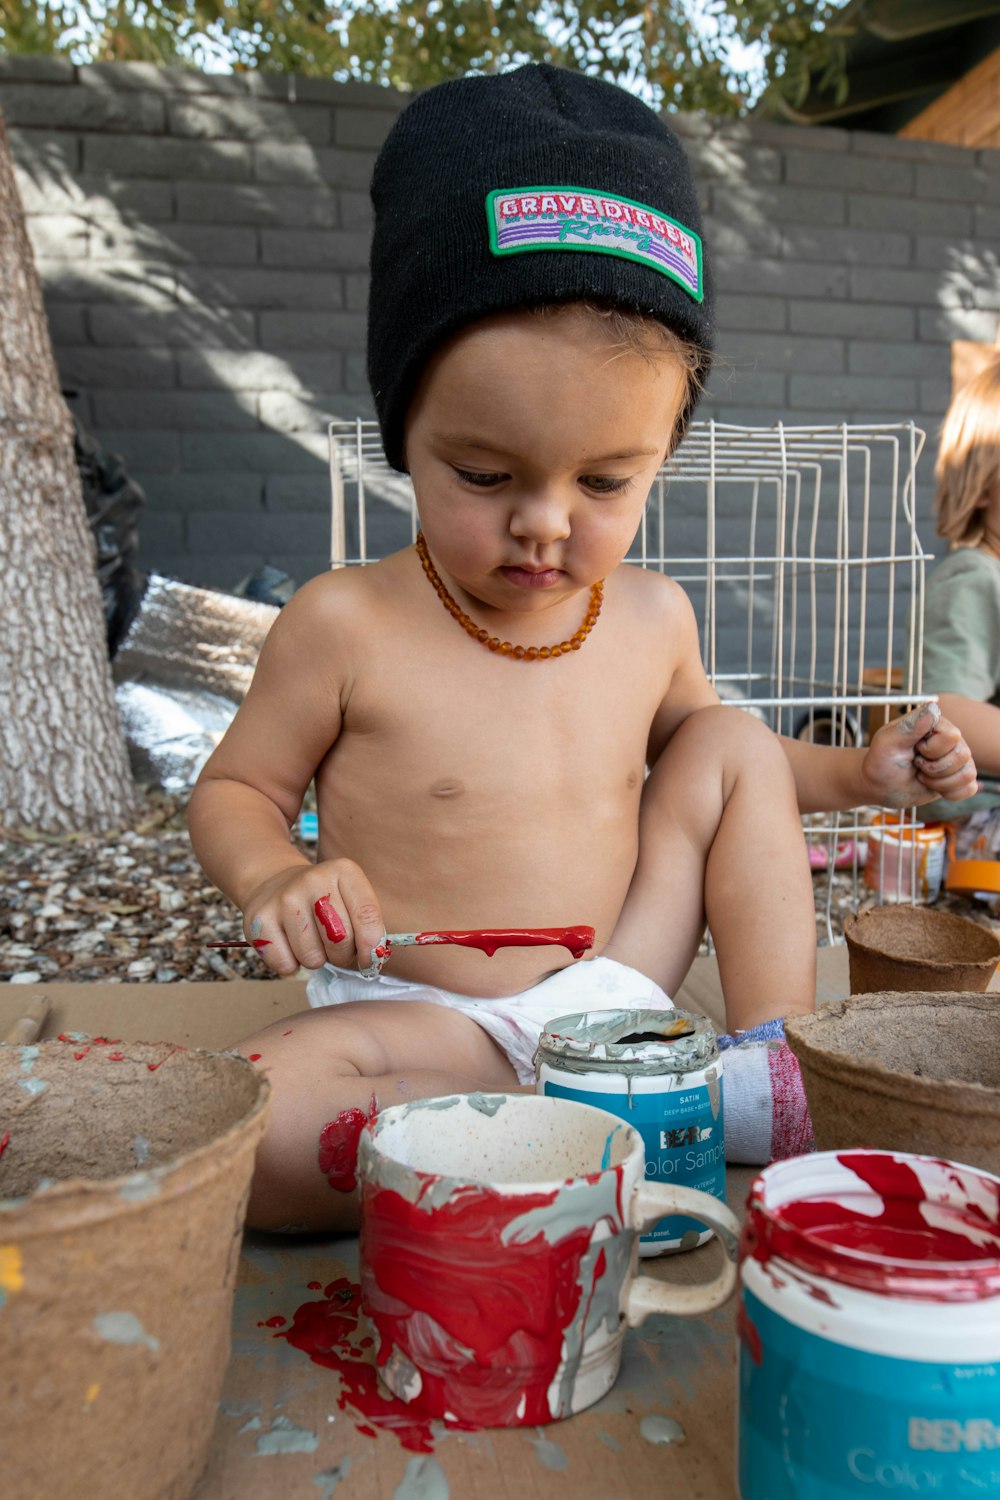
(285,1437)
(327,1329)
(424,1479)
(659,1429)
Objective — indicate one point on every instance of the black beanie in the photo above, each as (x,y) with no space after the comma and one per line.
(494,193)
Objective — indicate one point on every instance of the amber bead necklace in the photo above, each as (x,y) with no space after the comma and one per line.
(492,642)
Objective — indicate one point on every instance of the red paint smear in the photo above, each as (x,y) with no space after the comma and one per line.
(260,943)
(287,1033)
(896,1251)
(276,1322)
(325,1331)
(5,1142)
(79,1056)
(483,1321)
(338,1147)
(749,1334)
(330,918)
(315,1286)
(116,1057)
(576,939)
(254,1057)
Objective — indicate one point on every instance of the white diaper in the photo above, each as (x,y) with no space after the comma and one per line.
(515,1022)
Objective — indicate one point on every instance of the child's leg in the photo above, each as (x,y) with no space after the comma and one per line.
(720,836)
(326,1066)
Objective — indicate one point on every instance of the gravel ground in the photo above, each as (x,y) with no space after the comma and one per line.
(119,907)
(136,906)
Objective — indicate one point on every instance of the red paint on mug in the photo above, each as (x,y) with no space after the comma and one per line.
(327,914)
(338,1147)
(443,1281)
(4,1142)
(326,1330)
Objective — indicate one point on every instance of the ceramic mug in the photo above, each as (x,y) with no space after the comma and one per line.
(499,1250)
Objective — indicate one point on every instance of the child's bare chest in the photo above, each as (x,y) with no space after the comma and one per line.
(498,730)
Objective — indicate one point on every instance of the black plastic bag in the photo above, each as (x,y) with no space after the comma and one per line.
(112,501)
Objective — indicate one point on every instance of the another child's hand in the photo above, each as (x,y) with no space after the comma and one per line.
(917,759)
(314,914)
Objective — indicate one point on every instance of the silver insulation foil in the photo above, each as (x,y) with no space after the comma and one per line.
(181,673)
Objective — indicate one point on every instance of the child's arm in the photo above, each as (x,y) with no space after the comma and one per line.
(250,791)
(909,761)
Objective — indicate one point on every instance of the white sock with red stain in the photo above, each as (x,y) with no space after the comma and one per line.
(766,1114)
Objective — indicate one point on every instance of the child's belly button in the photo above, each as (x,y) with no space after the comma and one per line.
(448,786)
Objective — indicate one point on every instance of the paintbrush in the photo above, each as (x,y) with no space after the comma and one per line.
(487,939)
(28,1028)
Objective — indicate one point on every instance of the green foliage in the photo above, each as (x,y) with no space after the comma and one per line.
(678,52)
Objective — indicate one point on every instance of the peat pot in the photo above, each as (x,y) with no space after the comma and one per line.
(904,1072)
(911,948)
(124,1177)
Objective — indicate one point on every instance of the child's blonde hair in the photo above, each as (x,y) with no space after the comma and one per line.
(968,462)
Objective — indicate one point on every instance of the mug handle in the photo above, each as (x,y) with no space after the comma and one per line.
(652,1201)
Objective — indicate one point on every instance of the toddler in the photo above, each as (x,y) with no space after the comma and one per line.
(479,711)
(962,617)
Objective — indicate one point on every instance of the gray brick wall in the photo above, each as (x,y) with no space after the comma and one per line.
(202,243)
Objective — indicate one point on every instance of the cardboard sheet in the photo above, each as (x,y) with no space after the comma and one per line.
(287,1425)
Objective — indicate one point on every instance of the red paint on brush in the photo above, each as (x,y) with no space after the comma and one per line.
(326,1330)
(327,914)
(489,939)
(911,1246)
(4,1142)
(260,943)
(492,1313)
(338,1147)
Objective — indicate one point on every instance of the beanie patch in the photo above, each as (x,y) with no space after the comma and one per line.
(588,219)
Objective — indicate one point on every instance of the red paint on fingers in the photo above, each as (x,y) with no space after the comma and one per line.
(327,914)
(338,1147)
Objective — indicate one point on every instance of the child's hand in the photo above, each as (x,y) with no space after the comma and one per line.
(918,758)
(314,914)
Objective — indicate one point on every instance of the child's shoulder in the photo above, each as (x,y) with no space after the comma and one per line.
(651,592)
(340,593)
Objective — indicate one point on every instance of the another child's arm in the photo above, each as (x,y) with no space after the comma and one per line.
(251,789)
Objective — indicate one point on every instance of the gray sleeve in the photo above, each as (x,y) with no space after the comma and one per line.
(962,629)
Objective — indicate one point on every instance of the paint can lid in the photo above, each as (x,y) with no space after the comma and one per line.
(630,1041)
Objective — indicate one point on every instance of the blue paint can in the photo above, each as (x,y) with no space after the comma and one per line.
(870,1330)
(660,1071)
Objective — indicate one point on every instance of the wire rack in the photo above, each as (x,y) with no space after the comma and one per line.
(799,550)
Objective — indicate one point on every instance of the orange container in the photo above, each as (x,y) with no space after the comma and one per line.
(972,876)
(904,863)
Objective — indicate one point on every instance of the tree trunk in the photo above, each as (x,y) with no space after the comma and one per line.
(63,762)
